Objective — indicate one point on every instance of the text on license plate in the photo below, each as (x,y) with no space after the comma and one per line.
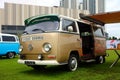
(29,62)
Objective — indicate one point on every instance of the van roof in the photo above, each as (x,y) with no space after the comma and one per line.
(36,19)
(7,34)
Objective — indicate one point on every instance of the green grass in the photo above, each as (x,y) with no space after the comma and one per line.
(11,70)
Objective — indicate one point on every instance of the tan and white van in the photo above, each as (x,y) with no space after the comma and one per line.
(60,40)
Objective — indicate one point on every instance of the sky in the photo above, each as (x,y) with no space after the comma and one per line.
(113,29)
(110,5)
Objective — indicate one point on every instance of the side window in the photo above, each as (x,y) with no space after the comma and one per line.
(98,32)
(8,38)
(67,23)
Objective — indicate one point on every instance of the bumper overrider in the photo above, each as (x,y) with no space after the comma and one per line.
(39,62)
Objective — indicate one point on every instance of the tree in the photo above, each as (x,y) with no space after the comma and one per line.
(112,38)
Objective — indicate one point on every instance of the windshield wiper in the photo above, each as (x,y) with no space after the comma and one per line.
(38,30)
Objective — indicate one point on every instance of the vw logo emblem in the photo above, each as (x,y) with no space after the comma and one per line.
(30,47)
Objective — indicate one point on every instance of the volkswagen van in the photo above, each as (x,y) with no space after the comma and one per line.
(9,45)
(61,40)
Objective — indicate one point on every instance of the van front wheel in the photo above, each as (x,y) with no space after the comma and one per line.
(72,62)
(10,55)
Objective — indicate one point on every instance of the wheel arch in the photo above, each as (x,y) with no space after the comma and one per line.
(75,53)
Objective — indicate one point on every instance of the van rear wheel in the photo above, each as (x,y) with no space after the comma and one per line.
(100,59)
(72,62)
(10,55)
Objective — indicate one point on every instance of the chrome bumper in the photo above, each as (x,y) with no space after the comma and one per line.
(40,62)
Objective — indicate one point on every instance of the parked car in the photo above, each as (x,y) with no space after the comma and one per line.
(9,45)
(61,40)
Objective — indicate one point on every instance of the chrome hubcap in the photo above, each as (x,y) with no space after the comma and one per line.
(73,63)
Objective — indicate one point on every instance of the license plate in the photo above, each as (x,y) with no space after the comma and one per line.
(29,62)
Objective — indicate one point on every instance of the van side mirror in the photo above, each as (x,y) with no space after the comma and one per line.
(70,28)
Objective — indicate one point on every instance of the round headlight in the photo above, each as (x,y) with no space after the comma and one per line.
(47,47)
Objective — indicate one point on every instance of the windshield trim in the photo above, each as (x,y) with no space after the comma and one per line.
(42,27)
(36,19)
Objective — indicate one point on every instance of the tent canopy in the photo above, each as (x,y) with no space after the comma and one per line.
(103,18)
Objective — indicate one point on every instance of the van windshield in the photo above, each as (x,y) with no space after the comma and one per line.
(43,26)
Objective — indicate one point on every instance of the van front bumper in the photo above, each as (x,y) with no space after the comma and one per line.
(40,62)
